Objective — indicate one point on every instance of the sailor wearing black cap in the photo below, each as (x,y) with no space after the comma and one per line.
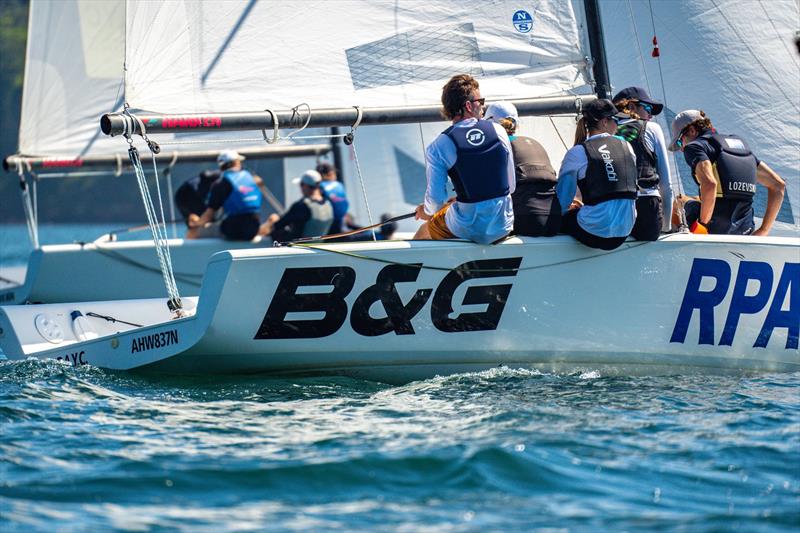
(604,168)
(654,198)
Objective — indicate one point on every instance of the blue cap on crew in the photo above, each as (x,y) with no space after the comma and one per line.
(638,93)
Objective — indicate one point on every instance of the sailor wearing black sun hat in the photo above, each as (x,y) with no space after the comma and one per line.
(654,198)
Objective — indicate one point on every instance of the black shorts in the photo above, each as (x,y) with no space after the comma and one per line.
(730,217)
(649,218)
(240,227)
(536,214)
(570,226)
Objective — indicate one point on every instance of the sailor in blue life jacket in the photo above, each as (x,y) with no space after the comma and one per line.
(727,172)
(310,216)
(334,191)
(238,194)
(190,197)
(604,168)
(654,198)
(476,155)
(536,209)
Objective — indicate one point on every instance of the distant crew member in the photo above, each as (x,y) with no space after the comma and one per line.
(190,198)
(727,172)
(237,193)
(604,168)
(654,198)
(333,190)
(536,209)
(476,154)
(310,216)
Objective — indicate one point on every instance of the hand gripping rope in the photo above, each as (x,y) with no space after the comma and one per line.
(158,229)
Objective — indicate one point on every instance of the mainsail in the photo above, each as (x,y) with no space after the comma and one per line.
(188,56)
(736,60)
(73,74)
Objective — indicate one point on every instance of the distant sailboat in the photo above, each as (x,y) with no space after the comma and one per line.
(402,310)
(73,74)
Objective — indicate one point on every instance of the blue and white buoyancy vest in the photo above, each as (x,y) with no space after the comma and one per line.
(735,168)
(479,172)
(245,196)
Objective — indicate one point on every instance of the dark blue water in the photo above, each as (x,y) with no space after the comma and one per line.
(504,450)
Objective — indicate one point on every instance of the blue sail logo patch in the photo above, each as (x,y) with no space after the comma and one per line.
(523,21)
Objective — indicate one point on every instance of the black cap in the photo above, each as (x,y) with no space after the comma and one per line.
(639,94)
(600,109)
(324,167)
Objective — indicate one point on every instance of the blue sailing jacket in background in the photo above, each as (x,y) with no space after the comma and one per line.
(334,191)
(245,196)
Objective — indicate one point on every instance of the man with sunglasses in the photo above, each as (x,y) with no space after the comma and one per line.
(654,197)
(476,155)
(727,172)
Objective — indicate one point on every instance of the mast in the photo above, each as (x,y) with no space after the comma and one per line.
(597,48)
(120,160)
(118,124)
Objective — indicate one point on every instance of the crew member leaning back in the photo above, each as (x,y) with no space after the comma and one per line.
(727,172)
(476,154)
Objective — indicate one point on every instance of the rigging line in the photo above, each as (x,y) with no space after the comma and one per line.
(112,319)
(639,46)
(111,254)
(756,57)
(658,59)
(347,233)
(478,270)
(563,142)
(777,32)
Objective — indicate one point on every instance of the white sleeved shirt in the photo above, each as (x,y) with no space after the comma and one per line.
(612,218)
(482,222)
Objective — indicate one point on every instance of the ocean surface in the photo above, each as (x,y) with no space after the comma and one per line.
(83,449)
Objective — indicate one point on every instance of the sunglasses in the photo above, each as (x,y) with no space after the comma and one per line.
(646,107)
(481,101)
(679,142)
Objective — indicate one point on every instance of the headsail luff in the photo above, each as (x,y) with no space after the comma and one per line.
(736,60)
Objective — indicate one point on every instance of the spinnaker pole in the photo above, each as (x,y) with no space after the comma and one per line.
(118,123)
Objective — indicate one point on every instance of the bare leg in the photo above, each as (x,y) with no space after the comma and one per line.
(423,232)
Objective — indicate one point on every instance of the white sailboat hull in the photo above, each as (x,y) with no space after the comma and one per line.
(113,270)
(398,311)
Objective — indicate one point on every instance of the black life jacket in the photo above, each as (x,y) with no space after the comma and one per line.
(646,168)
(191,196)
(611,172)
(531,162)
(735,167)
(479,172)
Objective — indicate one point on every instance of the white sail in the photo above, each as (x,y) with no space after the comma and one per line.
(73,74)
(736,60)
(188,56)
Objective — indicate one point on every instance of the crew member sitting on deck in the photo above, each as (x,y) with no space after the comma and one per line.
(333,190)
(654,199)
(238,195)
(190,198)
(727,172)
(476,154)
(536,209)
(604,167)
(310,216)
